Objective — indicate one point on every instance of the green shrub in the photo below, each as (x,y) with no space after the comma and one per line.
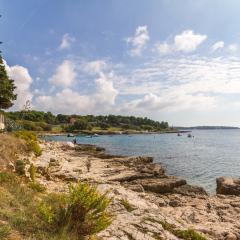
(52,210)
(37,187)
(81,213)
(26,135)
(20,167)
(86,210)
(32,172)
(47,212)
(34,147)
(31,140)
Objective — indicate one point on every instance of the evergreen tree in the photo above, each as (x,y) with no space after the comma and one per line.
(7,87)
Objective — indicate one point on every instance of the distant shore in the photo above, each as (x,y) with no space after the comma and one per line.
(106,132)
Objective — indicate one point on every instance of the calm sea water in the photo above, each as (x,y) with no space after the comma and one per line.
(199,160)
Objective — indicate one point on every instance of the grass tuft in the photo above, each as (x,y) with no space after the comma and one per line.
(186,234)
(4,232)
(37,187)
(129,207)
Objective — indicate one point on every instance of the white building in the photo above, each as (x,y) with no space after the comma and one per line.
(2,125)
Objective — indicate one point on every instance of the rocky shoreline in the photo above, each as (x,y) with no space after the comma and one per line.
(145,200)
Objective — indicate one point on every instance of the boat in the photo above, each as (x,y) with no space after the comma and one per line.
(70,135)
(179,134)
(95,135)
(189,135)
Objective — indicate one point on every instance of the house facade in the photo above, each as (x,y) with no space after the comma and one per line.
(2,120)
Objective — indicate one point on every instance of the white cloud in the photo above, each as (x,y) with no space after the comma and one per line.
(233,47)
(163,48)
(186,42)
(106,93)
(192,83)
(174,102)
(65,74)
(217,46)
(70,101)
(66,42)
(138,41)
(94,67)
(23,81)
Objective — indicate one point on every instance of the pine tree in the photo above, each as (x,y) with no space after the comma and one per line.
(7,87)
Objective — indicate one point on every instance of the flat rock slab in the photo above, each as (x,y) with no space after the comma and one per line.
(228,186)
(160,185)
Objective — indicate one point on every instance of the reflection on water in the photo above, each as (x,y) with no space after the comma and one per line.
(199,160)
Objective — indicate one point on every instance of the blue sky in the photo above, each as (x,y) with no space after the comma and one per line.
(177,61)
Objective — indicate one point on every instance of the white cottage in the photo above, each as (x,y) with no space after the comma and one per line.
(2,124)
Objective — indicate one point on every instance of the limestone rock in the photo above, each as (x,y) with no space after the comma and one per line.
(153,168)
(136,187)
(161,185)
(53,162)
(228,186)
(231,236)
(189,190)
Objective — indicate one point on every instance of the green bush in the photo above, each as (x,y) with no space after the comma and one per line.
(34,147)
(20,167)
(26,135)
(81,213)
(31,140)
(52,211)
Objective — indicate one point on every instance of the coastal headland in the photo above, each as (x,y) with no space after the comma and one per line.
(147,204)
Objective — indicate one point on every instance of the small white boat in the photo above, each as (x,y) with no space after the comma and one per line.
(70,135)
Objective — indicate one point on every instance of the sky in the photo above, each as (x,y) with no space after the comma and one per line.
(169,60)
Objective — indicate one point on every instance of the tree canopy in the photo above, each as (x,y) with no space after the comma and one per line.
(33,120)
(7,87)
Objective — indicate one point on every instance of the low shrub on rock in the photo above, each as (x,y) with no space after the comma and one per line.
(20,167)
(31,140)
(76,215)
(81,213)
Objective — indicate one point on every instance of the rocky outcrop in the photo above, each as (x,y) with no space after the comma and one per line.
(160,185)
(228,186)
(189,190)
(156,199)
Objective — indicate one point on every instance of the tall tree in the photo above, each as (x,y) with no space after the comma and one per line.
(7,87)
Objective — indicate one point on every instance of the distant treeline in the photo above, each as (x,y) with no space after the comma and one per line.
(208,127)
(46,121)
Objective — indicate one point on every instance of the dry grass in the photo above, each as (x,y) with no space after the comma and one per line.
(37,215)
(10,148)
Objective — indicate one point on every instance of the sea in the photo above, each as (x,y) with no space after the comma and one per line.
(207,155)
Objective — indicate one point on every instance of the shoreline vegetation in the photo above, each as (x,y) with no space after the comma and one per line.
(132,197)
(47,122)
